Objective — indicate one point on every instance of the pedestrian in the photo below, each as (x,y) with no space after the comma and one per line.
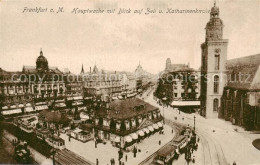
(97,161)
(159,142)
(234,163)
(126,158)
(172,130)
(198,139)
(95,144)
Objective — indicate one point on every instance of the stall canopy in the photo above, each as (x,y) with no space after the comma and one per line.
(41,107)
(60,105)
(159,124)
(28,109)
(134,136)
(151,128)
(146,130)
(128,139)
(155,126)
(78,98)
(5,107)
(140,133)
(10,112)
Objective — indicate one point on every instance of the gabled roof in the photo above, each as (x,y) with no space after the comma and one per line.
(179,68)
(247,68)
(125,109)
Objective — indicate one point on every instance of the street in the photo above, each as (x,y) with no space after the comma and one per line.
(220,142)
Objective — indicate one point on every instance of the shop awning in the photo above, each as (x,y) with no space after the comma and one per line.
(120,97)
(41,107)
(77,103)
(160,124)
(134,136)
(60,101)
(70,98)
(146,130)
(185,103)
(140,133)
(155,126)
(14,111)
(28,109)
(78,98)
(150,128)
(60,105)
(5,112)
(13,106)
(28,104)
(128,139)
(117,139)
(88,98)
(5,107)
(114,98)
(84,116)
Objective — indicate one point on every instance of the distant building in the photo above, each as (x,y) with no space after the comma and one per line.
(144,79)
(179,85)
(35,88)
(101,83)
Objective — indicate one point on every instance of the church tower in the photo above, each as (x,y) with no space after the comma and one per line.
(213,65)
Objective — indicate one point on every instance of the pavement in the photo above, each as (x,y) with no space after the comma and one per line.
(221,142)
(104,152)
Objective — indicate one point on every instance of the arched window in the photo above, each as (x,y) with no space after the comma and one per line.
(215,105)
(216,84)
(217,61)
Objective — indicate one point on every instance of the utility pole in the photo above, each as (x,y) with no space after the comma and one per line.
(194,122)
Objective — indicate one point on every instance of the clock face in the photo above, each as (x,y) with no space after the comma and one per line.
(217,50)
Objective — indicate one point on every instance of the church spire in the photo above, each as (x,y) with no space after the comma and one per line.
(214,28)
(82,70)
(41,53)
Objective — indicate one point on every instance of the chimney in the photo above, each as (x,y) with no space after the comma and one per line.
(90,69)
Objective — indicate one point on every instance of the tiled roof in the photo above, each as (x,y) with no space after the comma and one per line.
(32,69)
(124,109)
(179,67)
(247,68)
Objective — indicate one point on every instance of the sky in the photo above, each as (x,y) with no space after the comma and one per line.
(120,42)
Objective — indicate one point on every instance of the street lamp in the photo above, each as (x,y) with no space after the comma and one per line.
(194,122)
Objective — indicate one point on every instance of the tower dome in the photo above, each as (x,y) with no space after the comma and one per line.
(214,28)
(41,63)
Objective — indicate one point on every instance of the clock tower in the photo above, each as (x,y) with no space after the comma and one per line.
(213,65)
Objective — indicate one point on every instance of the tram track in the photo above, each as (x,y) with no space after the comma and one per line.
(216,154)
(177,128)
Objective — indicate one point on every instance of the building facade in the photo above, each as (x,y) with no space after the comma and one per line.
(179,85)
(125,122)
(35,88)
(213,61)
(240,102)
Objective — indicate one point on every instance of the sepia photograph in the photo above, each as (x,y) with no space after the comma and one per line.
(130,82)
